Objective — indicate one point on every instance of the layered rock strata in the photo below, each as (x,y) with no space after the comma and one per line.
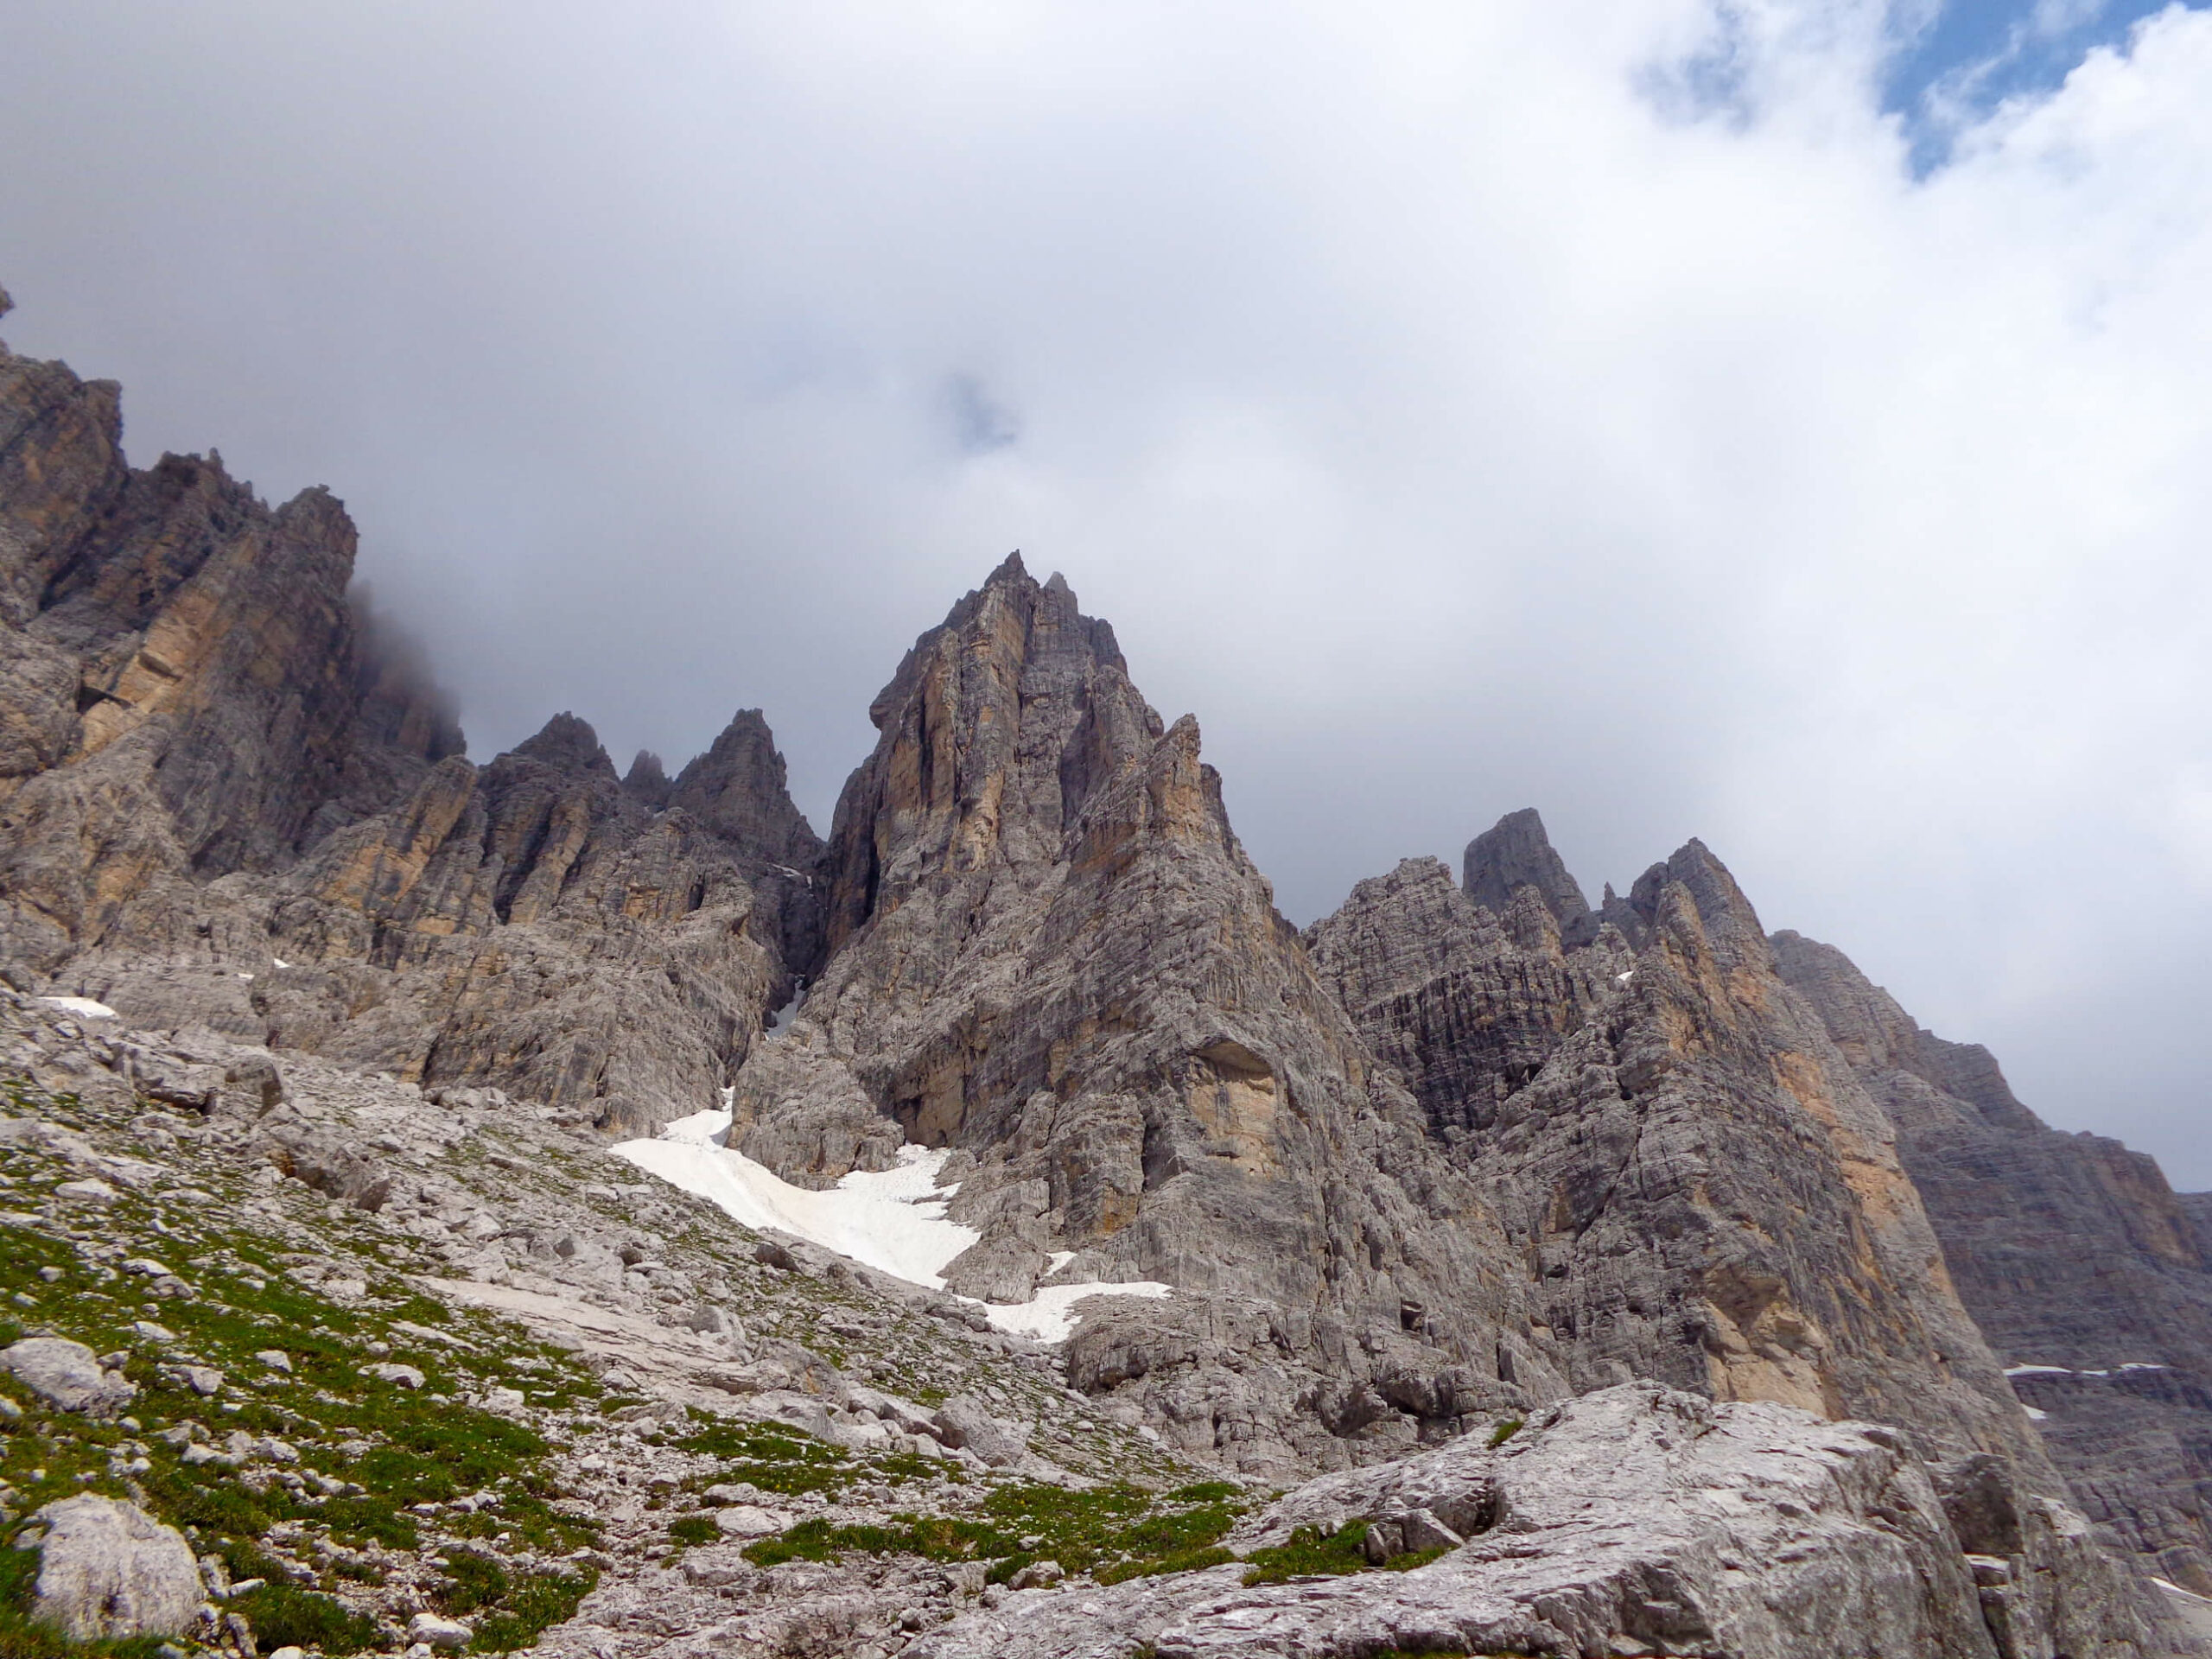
(2088,1274)
(1692,1177)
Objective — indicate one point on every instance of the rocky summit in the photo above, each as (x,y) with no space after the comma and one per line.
(528,1205)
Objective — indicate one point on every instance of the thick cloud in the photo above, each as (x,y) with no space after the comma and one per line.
(1586,404)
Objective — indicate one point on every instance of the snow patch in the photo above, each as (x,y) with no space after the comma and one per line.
(2034,1416)
(891,1220)
(2141,1365)
(1051,1317)
(83,1006)
(2037,1370)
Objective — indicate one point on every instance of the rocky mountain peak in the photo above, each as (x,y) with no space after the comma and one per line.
(1723,916)
(568,744)
(1515,852)
(738,789)
(998,726)
(647,780)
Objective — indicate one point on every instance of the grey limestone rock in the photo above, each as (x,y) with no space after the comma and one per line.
(964,1421)
(1701,1188)
(231,797)
(1516,853)
(107,1570)
(1051,954)
(1635,1520)
(68,1375)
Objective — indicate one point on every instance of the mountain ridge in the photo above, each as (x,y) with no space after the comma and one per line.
(1454,1157)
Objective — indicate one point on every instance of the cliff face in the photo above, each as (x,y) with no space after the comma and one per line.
(1693,1177)
(229,799)
(2071,1252)
(1051,955)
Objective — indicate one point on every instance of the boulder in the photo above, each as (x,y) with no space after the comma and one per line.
(965,1421)
(108,1570)
(432,1629)
(68,1375)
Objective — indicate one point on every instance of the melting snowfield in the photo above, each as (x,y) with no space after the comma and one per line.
(892,1220)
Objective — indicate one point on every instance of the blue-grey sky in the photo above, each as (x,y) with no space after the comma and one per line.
(1782,421)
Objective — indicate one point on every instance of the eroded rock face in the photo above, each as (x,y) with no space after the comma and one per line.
(1636,1520)
(231,797)
(2073,1256)
(1695,1180)
(1051,954)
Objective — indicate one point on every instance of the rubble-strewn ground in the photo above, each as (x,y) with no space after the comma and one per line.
(458,1362)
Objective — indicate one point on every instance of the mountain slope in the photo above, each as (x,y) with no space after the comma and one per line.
(1051,954)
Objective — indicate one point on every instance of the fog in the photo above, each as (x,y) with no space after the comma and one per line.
(1626,408)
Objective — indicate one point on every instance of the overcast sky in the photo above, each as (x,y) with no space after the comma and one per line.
(1783,422)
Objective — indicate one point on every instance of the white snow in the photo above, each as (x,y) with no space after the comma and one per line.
(891,1220)
(2034,1416)
(280,962)
(1052,1316)
(2141,1365)
(83,1006)
(782,1017)
(2037,1370)
(1623,979)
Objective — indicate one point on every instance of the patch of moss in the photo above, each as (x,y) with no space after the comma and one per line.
(1312,1554)
(540,1601)
(1116,1530)
(1504,1431)
(694,1529)
(774,1457)
(472,1582)
(284,1615)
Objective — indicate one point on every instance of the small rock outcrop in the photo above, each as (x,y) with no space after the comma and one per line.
(108,1570)
(1633,1521)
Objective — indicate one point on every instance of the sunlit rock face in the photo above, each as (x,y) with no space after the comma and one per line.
(2084,1269)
